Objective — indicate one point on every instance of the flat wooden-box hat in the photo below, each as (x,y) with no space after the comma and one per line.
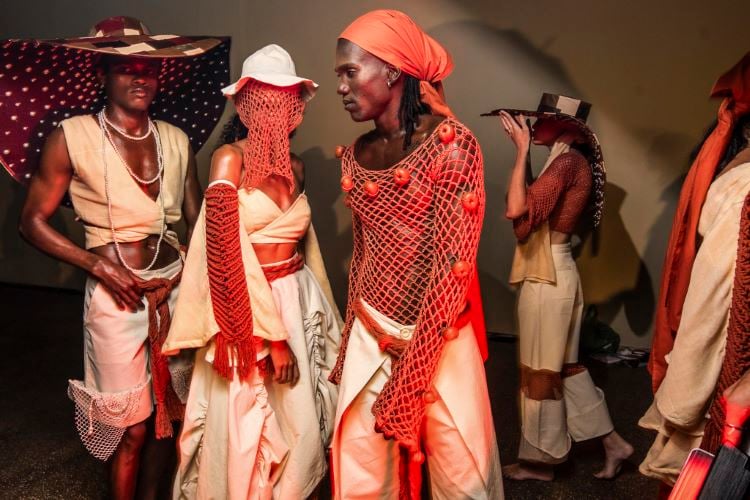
(42,82)
(574,111)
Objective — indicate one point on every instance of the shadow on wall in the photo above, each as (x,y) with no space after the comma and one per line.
(331,218)
(675,149)
(613,275)
(498,68)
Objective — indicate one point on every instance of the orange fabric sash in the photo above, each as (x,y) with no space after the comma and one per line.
(734,86)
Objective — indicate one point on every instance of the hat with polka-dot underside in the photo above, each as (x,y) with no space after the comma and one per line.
(45,81)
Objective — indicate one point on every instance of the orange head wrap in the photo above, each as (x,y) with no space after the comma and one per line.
(734,87)
(395,38)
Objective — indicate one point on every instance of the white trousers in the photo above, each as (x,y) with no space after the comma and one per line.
(459,437)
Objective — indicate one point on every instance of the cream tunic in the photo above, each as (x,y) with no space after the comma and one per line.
(680,406)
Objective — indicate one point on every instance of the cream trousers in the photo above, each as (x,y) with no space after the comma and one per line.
(549,320)
(458,438)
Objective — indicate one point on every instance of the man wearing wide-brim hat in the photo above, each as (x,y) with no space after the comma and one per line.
(129,179)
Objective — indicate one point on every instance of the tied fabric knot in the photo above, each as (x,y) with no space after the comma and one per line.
(169,408)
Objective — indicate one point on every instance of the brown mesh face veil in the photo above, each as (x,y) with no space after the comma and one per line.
(270,114)
(416,231)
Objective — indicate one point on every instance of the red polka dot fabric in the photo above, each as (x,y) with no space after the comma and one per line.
(45,82)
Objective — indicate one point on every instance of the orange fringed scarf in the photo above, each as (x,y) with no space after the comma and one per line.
(734,86)
(737,356)
(270,114)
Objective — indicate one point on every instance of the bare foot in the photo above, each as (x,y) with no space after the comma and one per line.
(522,472)
(616,451)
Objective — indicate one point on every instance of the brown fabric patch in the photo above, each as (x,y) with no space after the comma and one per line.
(570,369)
(541,384)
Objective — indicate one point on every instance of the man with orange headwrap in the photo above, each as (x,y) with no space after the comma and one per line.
(410,369)
(703,308)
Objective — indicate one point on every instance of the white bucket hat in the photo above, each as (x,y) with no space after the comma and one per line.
(272,65)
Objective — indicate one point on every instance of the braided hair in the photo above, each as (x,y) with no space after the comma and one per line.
(234,130)
(410,109)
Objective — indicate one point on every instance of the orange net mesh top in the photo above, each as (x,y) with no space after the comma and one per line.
(416,229)
(559,196)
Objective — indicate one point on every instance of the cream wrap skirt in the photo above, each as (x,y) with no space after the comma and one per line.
(258,439)
(458,437)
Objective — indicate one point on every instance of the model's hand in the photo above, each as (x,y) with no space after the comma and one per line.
(121,284)
(284,363)
(738,394)
(517,130)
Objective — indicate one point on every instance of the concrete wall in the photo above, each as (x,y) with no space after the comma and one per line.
(646,66)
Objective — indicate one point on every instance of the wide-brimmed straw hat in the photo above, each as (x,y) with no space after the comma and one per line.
(272,65)
(45,81)
(574,111)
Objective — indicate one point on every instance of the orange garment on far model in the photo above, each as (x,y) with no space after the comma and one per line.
(558,196)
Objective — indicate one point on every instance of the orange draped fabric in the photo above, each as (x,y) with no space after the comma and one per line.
(734,87)
(395,38)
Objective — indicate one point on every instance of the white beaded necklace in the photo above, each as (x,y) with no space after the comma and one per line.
(160,159)
(123,133)
(152,130)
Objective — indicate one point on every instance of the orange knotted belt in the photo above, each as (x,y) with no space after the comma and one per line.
(169,408)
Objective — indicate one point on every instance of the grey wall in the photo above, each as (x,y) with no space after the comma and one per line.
(646,66)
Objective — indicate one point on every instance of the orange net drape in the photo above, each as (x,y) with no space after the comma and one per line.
(270,114)
(416,231)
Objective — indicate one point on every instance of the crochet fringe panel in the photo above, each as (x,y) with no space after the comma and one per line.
(235,346)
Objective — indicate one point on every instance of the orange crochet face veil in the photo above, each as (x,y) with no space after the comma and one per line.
(270,114)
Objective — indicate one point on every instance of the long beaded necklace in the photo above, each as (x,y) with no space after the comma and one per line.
(152,130)
(160,161)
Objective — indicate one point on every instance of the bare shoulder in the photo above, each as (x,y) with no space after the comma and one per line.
(55,155)
(226,164)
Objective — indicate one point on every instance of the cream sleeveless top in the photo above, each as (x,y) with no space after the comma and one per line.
(134,213)
(270,224)
(193,322)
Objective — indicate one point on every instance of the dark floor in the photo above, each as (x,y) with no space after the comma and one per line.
(41,456)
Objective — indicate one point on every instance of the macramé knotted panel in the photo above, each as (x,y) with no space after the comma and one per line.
(416,228)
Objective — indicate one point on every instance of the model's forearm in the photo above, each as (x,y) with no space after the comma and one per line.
(516,202)
(44,237)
